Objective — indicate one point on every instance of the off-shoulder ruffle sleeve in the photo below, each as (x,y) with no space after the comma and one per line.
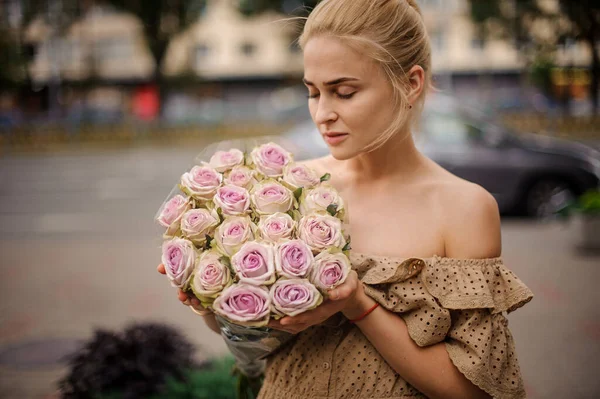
(459,302)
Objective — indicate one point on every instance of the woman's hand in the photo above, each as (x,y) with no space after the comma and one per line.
(339,299)
(186,299)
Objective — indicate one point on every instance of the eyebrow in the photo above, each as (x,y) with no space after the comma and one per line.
(332,82)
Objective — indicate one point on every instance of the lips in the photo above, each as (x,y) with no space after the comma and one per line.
(334,134)
(333,138)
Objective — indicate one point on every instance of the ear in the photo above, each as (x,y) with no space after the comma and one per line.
(416,80)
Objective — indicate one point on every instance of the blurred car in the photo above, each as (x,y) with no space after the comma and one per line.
(526,173)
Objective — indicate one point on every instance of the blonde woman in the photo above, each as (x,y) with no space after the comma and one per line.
(422,315)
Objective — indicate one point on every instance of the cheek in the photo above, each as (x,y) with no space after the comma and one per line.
(312,108)
(369,115)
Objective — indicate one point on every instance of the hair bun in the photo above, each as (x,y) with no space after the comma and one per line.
(414,5)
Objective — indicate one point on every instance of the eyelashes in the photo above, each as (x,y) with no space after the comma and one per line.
(342,96)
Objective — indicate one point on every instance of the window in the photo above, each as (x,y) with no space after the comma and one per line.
(477,43)
(248,49)
(114,48)
(201,53)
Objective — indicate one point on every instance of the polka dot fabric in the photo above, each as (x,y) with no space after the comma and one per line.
(459,302)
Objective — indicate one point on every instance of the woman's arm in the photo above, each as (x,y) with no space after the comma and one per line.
(429,369)
(472,231)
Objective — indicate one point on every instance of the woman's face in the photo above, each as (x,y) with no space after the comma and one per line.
(350,98)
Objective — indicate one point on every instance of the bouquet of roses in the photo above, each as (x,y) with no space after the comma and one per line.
(254,236)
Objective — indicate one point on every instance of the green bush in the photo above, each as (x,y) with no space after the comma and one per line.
(215,382)
(587,204)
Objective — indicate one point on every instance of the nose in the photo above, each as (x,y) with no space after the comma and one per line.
(325,112)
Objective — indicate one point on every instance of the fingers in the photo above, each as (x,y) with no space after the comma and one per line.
(196,303)
(345,290)
(161,269)
(276,324)
(183,297)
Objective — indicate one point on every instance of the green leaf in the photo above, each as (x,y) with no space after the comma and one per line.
(347,247)
(208,241)
(225,260)
(298,193)
(325,177)
(332,209)
(220,213)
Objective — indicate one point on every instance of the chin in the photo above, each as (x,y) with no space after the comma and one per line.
(342,154)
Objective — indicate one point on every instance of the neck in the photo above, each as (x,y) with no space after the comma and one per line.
(397,159)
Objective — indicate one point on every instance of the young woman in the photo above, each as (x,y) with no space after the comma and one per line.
(422,315)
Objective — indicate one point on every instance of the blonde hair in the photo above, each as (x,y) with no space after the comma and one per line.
(392,32)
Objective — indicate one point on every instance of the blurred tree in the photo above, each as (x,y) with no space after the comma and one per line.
(567,19)
(297,7)
(162,19)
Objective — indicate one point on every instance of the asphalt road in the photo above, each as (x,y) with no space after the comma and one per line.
(79,250)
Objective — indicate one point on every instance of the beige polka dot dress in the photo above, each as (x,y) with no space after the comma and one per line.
(460,302)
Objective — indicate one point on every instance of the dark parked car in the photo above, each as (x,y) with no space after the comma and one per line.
(526,173)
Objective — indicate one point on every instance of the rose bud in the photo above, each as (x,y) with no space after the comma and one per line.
(270,197)
(244,304)
(276,227)
(233,200)
(293,259)
(254,263)
(196,224)
(321,232)
(330,270)
(270,159)
(201,182)
(223,161)
(172,212)
(233,233)
(179,257)
(293,297)
(298,175)
(210,277)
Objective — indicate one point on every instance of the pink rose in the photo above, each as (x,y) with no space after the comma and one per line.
(271,197)
(241,176)
(223,161)
(330,270)
(233,233)
(254,263)
(321,232)
(319,198)
(196,224)
(210,277)
(292,297)
(244,304)
(270,159)
(179,258)
(233,200)
(293,259)
(298,175)
(276,227)
(172,212)
(201,182)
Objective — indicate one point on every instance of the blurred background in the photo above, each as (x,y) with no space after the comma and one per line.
(103,104)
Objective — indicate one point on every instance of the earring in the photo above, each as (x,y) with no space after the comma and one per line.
(409,106)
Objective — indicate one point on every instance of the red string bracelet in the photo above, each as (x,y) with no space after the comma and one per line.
(364,314)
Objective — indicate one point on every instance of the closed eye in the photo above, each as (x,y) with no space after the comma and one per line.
(342,96)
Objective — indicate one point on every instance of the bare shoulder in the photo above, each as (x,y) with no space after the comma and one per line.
(471,219)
